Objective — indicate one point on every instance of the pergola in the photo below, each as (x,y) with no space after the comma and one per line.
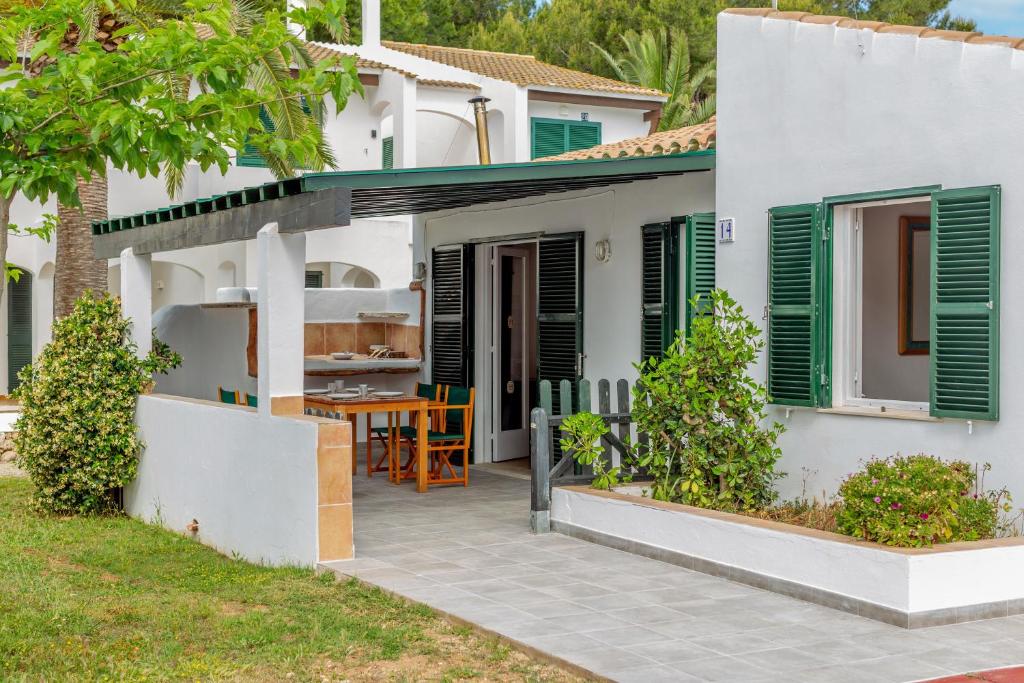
(278,214)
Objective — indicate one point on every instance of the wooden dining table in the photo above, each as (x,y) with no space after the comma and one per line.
(351,408)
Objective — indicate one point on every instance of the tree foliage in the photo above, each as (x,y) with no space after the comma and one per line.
(661,60)
(159,95)
(76,436)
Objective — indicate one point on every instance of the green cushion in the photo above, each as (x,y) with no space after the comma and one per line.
(457,396)
(379,430)
(438,436)
(227,396)
(427,391)
(251,400)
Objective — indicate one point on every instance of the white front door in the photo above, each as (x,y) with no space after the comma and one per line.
(511,371)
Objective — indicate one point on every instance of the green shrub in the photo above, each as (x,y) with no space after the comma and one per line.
(583,432)
(918,500)
(76,436)
(704,415)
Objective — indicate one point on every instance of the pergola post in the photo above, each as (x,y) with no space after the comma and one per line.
(137,298)
(280,265)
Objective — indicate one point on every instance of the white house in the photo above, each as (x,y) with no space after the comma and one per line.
(415,114)
(874,176)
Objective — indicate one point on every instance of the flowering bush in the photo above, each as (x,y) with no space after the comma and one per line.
(76,436)
(916,501)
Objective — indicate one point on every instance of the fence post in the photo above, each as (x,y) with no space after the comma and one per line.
(540,459)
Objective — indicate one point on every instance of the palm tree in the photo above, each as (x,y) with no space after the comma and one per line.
(76,269)
(660,60)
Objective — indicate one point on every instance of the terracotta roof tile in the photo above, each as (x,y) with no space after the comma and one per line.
(880,27)
(523,70)
(434,83)
(686,139)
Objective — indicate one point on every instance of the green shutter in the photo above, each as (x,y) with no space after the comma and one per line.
(965,303)
(314,279)
(794,234)
(251,156)
(700,261)
(583,135)
(19,327)
(451,328)
(388,154)
(549,137)
(659,288)
(560,311)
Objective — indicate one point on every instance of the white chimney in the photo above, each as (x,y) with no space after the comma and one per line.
(371,22)
(293,28)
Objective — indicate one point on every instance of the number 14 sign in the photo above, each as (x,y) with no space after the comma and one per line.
(726,229)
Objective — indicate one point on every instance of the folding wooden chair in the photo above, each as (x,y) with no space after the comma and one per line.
(231,397)
(447,447)
(383,435)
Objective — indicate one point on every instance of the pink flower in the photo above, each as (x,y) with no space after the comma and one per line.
(878,499)
(874,481)
(896,506)
(924,515)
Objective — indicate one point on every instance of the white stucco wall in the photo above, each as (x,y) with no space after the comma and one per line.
(212,343)
(250,482)
(616,123)
(808,111)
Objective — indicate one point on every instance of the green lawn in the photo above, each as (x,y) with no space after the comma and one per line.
(116,599)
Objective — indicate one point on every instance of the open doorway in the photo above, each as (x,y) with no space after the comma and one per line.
(513,370)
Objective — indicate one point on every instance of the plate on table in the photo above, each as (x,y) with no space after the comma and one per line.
(343,355)
(315,392)
(345,396)
(388,394)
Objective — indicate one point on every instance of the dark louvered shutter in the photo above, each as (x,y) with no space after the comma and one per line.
(251,156)
(582,135)
(388,153)
(451,351)
(700,262)
(314,279)
(560,311)
(547,138)
(659,288)
(793,234)
(965,303)
(19,327)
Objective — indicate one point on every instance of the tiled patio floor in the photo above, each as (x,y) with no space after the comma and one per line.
(470,552)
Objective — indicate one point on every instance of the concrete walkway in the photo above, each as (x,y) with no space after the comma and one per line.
(470,553)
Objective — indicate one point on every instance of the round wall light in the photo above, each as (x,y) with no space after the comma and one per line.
(603,251)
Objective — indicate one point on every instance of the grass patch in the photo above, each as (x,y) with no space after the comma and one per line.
(112,598)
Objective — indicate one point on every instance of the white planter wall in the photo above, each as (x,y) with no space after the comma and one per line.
(907,587)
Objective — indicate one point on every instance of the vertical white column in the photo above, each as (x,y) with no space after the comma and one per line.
(371,23)
(280,264)
(137,297)
(404,111)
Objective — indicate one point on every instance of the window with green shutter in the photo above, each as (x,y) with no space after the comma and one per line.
(19,327)
(659,304)
(965,303)
(794,233)
(560,310)
(388,152)
(451,322)
(251,156)
(314,279)
(549,137)
(700,262)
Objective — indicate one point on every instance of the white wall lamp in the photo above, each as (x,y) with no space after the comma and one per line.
(603,251)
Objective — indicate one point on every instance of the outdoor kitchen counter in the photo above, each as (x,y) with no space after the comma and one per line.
(320,366)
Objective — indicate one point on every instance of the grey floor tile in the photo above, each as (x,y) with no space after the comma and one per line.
(653,673)
(733,643)
(628,636)
(722,670)
(783,660)
(672,651)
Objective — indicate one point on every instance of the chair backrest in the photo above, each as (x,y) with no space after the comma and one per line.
(458,396)
(251,400)
(429,391)
(228,396)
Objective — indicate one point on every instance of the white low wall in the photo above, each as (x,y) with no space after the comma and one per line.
(251,483)
(7,420)
(943,584)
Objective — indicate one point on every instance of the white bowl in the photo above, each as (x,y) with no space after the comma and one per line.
(343,355)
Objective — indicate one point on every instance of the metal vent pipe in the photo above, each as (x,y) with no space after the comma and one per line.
(483,143)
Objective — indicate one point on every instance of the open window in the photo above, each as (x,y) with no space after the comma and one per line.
(847,304)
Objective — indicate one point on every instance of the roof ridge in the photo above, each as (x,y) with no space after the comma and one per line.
(971,37)
(459,49)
